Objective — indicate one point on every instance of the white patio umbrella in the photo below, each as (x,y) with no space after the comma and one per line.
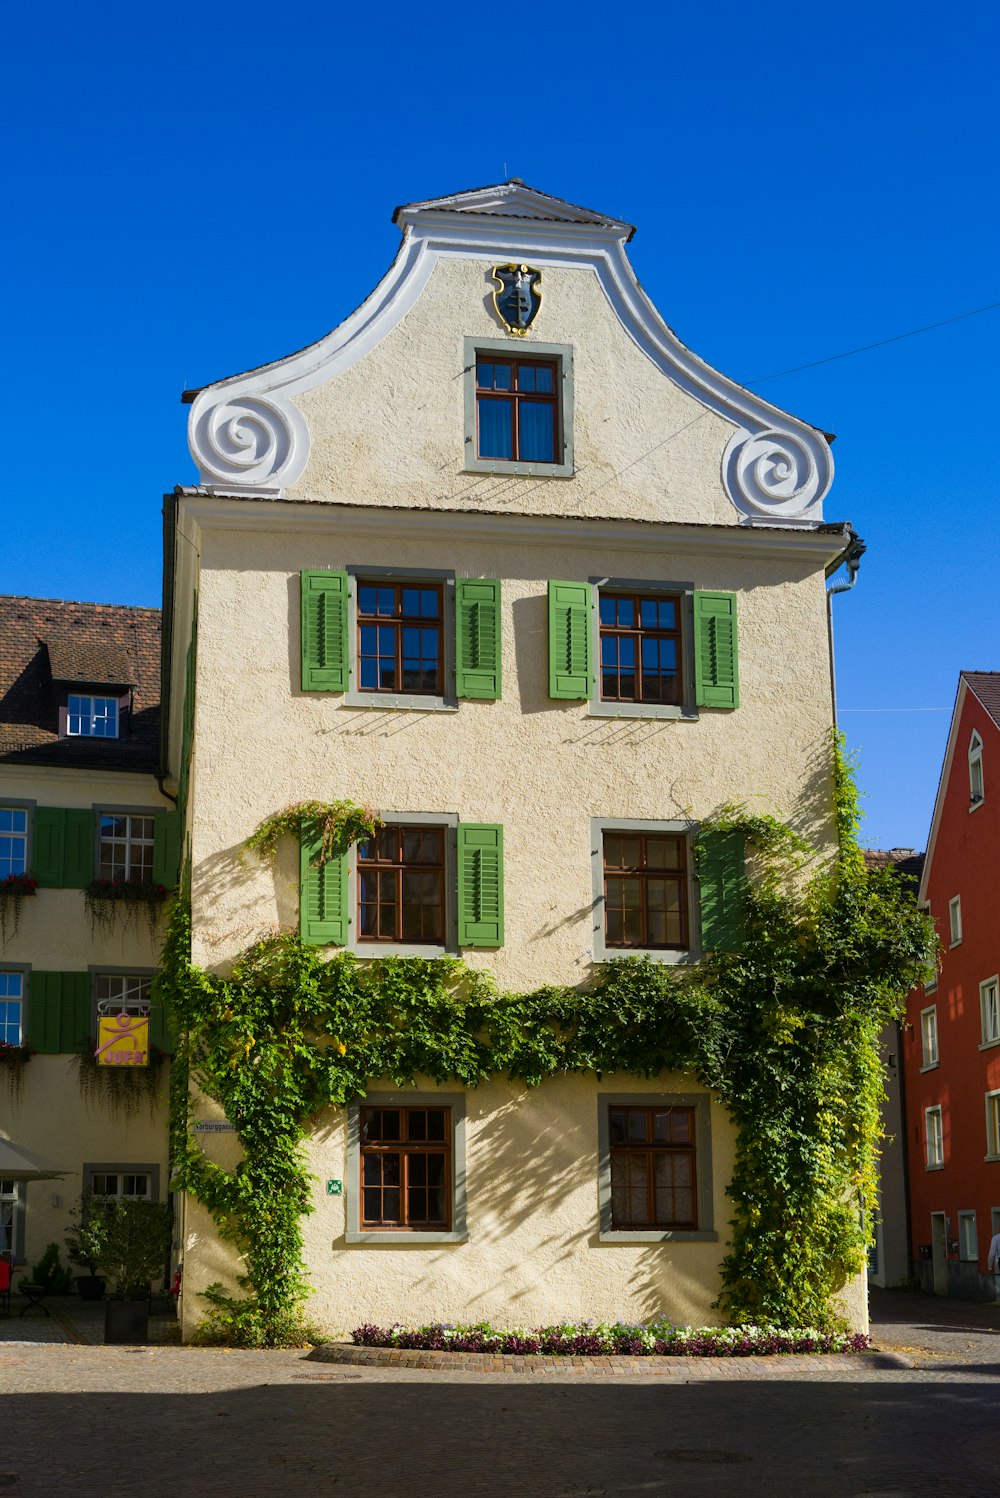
(20,1164)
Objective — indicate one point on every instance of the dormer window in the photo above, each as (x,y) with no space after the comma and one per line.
(91,717)
(975,770)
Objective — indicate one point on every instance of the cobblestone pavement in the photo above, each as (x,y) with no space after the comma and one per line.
(937,1331)
(152,1422)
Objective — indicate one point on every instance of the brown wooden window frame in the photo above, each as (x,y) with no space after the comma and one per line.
(652,1148)
(643,874)
(518,398)
(398,621)
(406,1148)
(638,633)
(397,868)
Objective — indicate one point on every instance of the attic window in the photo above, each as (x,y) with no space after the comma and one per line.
(91,717)
(975,770)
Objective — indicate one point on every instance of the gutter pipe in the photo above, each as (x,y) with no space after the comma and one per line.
(851,558)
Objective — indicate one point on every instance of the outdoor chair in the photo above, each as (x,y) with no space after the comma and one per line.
(6,1275)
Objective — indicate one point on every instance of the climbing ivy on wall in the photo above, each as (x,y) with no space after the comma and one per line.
(784,1031)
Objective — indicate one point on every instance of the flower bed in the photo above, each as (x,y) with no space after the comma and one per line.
(659,1338)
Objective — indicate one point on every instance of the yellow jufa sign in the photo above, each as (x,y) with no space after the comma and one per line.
(122,1040)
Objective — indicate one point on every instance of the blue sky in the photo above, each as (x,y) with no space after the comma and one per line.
(193,189)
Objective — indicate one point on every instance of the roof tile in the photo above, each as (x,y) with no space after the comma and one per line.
(48,641)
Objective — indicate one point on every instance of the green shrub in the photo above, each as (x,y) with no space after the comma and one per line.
(48,1272)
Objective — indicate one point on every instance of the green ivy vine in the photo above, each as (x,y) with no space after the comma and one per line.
(334,825)
(783,1031)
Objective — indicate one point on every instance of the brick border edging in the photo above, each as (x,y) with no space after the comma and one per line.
(487,1362)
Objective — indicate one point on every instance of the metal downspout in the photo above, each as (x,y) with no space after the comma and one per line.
(852,560)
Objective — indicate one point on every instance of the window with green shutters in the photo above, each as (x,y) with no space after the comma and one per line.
(384,895)
(652,896)
(641,648)
(59,1017)
(374,637)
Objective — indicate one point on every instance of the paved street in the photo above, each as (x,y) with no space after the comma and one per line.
(106,1423)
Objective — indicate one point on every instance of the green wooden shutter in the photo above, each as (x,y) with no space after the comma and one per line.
(160,1033)
(78,857)
(722,879)
(480,884)
(477,638)
(58,1011)
(716,650)
(570,667)
(62,847)
(48,836)
(75,1026)
(166,848)
(324,632)
(322,897)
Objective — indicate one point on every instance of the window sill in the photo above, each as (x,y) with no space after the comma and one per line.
(398,949)
(659,1235)
(519,470)
(988,1045)
(398,1240)
(954,944)
(974,805)
(671,959)
(935,1167)
(601,709)
(991,1159)
(931,1066)
(391,699)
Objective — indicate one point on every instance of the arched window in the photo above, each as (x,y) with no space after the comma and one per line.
(975,769)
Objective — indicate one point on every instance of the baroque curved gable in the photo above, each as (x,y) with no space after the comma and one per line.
(249,437)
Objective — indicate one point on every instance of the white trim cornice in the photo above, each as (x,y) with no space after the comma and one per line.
(199,511)
(248,436)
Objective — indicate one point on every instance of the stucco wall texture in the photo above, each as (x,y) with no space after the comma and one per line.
(54,934)
(539,767)
(389,430)
(542,769)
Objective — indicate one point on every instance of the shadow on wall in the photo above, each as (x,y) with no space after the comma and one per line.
(230,869)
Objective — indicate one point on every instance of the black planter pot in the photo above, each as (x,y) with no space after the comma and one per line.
(90,1287)
(126,1321)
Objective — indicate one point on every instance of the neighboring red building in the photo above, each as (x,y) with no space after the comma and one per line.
(951,1050)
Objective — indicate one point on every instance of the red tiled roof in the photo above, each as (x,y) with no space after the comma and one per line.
(47,641)
(986,685)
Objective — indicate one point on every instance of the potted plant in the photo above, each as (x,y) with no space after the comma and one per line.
(84,1245)
(134,1250)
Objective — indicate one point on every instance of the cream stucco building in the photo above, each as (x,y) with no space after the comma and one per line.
(503,559)
(80,802)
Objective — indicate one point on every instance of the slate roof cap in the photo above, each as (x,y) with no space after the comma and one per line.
(49,643)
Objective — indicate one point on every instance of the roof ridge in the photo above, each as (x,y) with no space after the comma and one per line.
(81,603)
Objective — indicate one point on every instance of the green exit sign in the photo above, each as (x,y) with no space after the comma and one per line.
(334,1188)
